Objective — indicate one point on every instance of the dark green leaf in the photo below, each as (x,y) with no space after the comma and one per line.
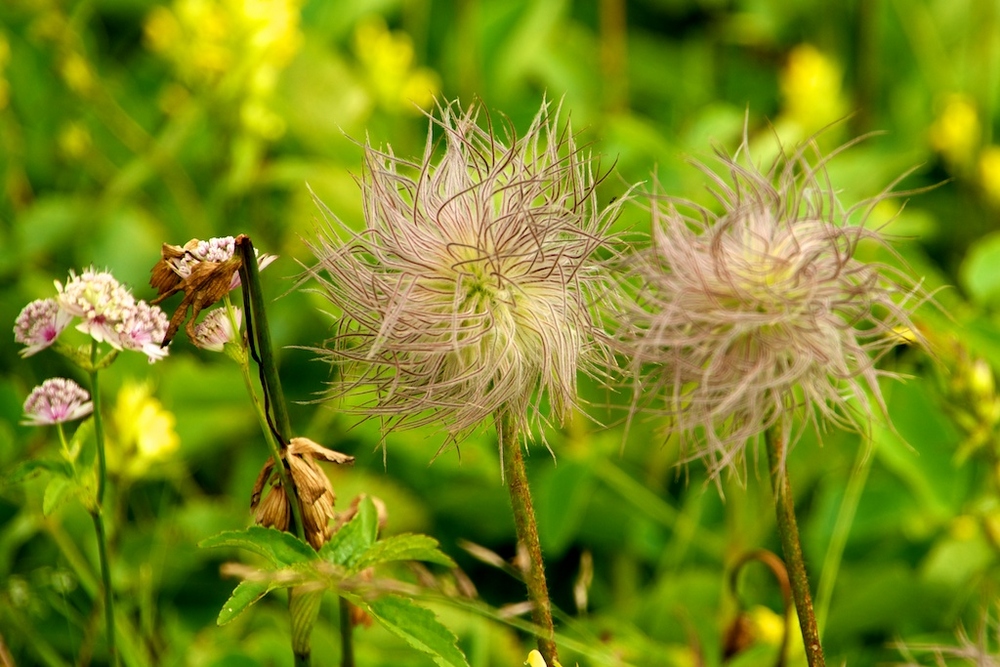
(404,547)
(279,548)
(419,628)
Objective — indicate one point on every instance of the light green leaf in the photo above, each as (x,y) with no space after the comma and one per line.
(246,594)
(279,548)
(350,543)
(81,435)
(55,494)
(978,272)
(419,628)
(404,547)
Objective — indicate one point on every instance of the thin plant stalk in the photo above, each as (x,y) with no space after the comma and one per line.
(516,479)
(278,431)
(791,546)
(97,511)
(841,531)
(346,634)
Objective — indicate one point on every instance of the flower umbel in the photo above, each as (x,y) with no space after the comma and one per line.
(39,324)
(468,292)
(56,401)
(744,316)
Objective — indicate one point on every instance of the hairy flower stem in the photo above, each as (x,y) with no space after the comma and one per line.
(516,479)
(97,512)
(279,430)
(791,546)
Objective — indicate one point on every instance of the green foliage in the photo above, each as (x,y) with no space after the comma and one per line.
(353,549)
(118,135)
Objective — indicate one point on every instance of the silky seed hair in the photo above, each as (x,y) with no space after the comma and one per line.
(741,317)
(468,293)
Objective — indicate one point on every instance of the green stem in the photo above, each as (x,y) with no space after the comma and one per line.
(791,546)
(516,479)
(97,511)
(841,531)
(346,634)
(275,416)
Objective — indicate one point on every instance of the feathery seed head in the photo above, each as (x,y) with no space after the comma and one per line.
(467,294)
(740,317)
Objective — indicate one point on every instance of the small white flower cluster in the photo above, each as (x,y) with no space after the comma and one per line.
(107,311)
(55,401)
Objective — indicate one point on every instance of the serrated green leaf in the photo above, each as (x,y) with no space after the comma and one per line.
(353,539)
(404,547)
(279,548)
(55,494)
(26,469)
(419,628)
(246,594)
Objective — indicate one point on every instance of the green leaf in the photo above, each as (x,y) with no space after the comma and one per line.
(350,543)
(246,594)
(81,435)
(404,547)
(55,494)
(978,272)
(279,548)
(419,628)
(27,469)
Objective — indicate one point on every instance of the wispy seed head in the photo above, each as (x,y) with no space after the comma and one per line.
(467,294)
(744,316)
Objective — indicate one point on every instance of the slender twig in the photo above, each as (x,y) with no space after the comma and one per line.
(791,546)
(516,479)
(279,429)
(97,511)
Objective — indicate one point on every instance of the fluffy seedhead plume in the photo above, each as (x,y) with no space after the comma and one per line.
(742,317)
(468,293)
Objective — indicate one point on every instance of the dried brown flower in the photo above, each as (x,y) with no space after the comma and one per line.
(313,487)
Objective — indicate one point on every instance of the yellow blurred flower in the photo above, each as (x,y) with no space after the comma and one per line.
(811,90)
(955,134)
(4,84)
(76,72)
(769,628)
(74,140)
(535,659)
(145,431)
(989,173)
(233,50)
(387,59)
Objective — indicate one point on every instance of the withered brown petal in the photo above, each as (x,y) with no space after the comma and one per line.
(310,482)
(207,283)
(275,510)
(307,446)
(258,486)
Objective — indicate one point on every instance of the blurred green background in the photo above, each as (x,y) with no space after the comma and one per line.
(125,124)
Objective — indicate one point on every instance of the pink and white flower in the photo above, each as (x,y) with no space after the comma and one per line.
(55,401)
(39,324)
